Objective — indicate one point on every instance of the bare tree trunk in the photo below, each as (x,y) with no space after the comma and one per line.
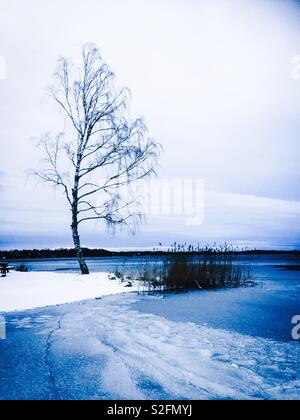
(76,238)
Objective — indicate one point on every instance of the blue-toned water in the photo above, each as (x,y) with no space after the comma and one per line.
(105,264)
(111,264)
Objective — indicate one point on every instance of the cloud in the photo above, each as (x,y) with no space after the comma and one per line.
(214,82)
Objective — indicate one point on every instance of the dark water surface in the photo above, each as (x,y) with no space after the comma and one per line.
(108,264)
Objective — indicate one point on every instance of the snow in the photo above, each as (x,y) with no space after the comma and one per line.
(22,291)
(105,349)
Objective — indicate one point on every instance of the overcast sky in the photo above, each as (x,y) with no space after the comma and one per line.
(215,82)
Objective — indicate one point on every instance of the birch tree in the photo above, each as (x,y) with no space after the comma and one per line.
(102,152)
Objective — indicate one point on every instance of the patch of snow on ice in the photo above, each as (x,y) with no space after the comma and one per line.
(178,360)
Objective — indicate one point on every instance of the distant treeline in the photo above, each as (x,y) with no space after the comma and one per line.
(26,254)
(98,253)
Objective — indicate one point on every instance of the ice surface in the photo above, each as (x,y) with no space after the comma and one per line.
(203,345)
(105,349)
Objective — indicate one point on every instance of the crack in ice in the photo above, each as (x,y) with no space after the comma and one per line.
(49,343)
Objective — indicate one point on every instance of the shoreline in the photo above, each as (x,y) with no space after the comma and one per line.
(100,253)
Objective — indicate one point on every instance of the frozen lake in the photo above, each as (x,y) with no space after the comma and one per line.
(226,344)
(108,264)
(265,310)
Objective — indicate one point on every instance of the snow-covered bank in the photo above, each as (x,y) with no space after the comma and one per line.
(22,291)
